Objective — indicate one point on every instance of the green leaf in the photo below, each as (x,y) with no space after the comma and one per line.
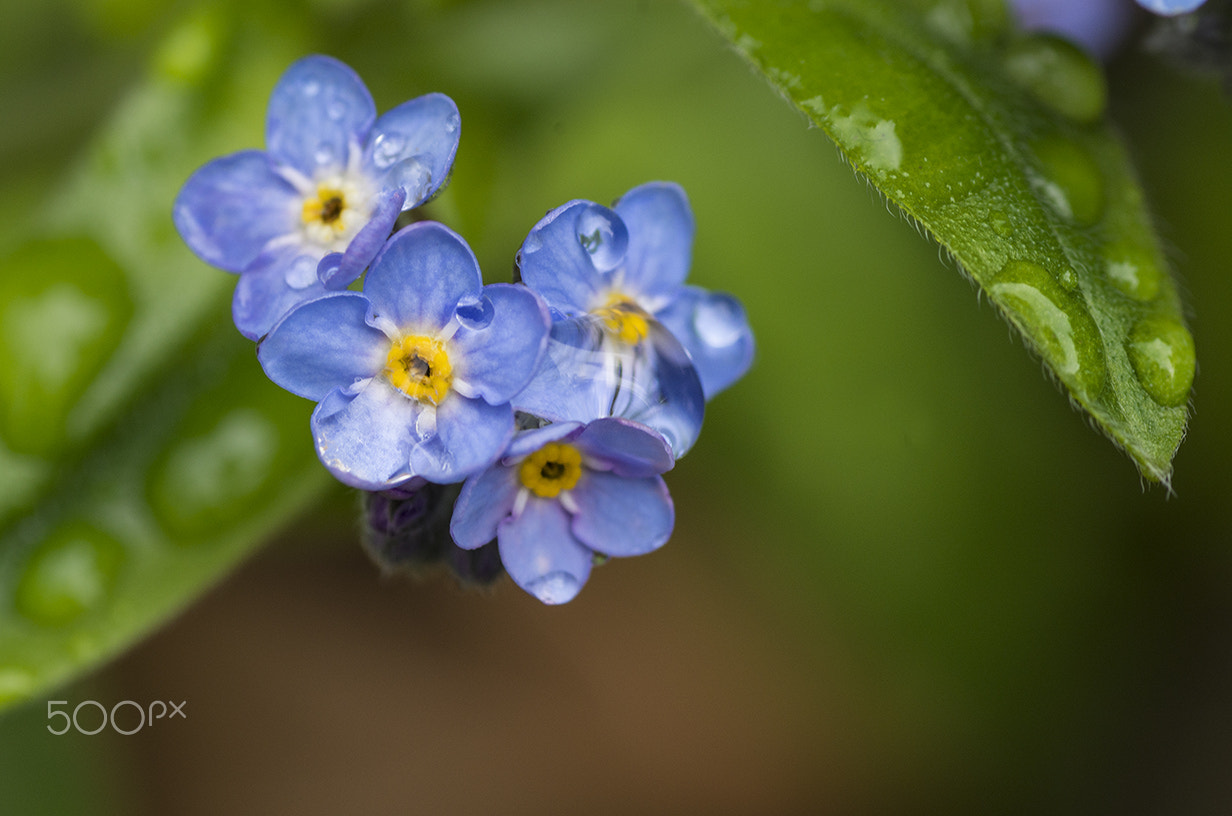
(996,143)
(142,450)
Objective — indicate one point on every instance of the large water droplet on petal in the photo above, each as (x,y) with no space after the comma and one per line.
(302,272)
(413,176)
(1072,181)
(1133,270)
(555,588)
(476,315)
(386,149)
(1057,321)
(604,236)
(451,123)
(1059,75)
(719,321)
(1162,353)
(68,574)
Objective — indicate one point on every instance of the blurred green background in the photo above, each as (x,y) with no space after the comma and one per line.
(906,576)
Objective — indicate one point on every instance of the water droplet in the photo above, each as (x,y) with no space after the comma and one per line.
(555,588)
(15,684)
(1068,278)
(476,315)
(719,321)
(302,272)
(964,21)
(387,149)
(602,233)
(336,110)
(1162,353)
(1057,321)
(208,479)
(324,155)
(68,574)
(1072,181)
(1001,223)
(310,88)
(451,123)
(1059,75)
(414,177)
(871,140)
(1133,270)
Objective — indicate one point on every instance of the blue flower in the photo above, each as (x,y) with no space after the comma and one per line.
(563,494)
(630,339)
(1171,8)
(414,375)
(309,213)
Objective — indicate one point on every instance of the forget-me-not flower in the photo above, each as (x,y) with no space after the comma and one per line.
(627,265)
(414,375)
(308,214)
(562,494)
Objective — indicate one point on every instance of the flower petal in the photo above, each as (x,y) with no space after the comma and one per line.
(425,128)
(499,358)
(323,345)
(317,111)
(660,250)
(419,276)
(265,292)
(714,329)
(620,517)
(338,272)
(470,435)
(485,501)
(527,442)
(626,448)
(554,264)
(365,440)
(232,207)
(541,554)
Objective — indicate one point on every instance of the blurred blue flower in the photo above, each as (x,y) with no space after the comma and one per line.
(1170,8)
(1099,26)
(310,212)
(564,493)
(627,265)
(414,375)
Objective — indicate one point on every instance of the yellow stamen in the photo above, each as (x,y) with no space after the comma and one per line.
(419,367)
(555,467)
(326,208)
(624,319)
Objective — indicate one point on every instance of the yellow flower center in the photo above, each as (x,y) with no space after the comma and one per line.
(624,319)
(555,467)
(326,209)
(419,367)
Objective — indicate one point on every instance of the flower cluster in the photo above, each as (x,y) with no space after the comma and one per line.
(531,421)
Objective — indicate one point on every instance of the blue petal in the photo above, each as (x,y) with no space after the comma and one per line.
(585,375)
(660,240)
(541,554)
(338,272)
(553,262)
(714,329)
(527,442)
(365,440)
(425,129)
(317,111)
(1170,7)
(276,283)
(626,448)
(621,517)
(470,435)
(419,277)
(485,501)
(1099,26)
(232,207)
(499,359)
(323,345)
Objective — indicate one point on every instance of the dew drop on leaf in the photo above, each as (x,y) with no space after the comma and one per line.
(1162,353)
(68,574)
(1059,75)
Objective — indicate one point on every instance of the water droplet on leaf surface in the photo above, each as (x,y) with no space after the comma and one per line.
(1059,75)
(68,574)
(1072,180)
(1162,353)
(1133,270)
(1056,321)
